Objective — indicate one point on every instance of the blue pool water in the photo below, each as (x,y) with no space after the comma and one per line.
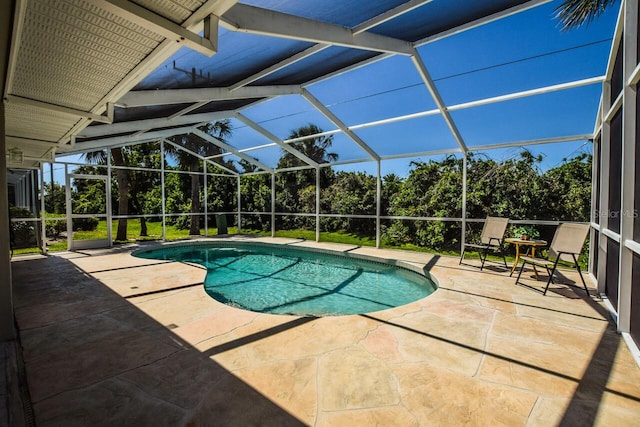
(284,280)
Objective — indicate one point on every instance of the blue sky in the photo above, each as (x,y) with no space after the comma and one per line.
(523,52)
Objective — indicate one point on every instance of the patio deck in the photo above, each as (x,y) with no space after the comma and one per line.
(109,339)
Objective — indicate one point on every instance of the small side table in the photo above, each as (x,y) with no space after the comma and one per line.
(533,243)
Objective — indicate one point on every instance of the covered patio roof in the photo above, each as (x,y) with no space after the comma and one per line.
(88,74)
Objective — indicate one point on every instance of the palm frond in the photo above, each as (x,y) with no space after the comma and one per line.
(574,13)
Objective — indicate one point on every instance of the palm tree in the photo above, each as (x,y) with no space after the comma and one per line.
(574,13)
(117,159)
(314,148)
(220,130)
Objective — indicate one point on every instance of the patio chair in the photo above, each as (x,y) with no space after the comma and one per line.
(566,246)
(490,240)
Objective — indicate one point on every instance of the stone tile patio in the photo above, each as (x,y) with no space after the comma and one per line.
(109,339)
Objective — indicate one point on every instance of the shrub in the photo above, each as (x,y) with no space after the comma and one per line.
(85,224)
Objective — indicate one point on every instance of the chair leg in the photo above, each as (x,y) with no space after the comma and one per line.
(553,270)
(483,258)
(520,272)
(580,273)
(504,259)
(462,256)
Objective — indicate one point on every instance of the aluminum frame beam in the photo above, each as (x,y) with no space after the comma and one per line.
(253,125)
(186,150)
(145,98)
(344,128)
(428,81)
(139,125)
(255,20)
(83,146)
(215,141)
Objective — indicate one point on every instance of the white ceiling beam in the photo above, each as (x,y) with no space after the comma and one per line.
(527,93)
(554,140)
(142,98)
(160,25)
(482,21)
(254,20)
(81,146)
(153,60)
(12,99)
(390,14)
(404,8)
(186,150)
(216,141)
(144,125)
(336,121)
(262,131)
(424,73)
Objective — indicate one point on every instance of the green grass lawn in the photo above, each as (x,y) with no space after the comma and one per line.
(154,232)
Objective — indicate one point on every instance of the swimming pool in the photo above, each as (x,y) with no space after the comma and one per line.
(280,279)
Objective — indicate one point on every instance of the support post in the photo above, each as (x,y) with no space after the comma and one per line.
(69,207)
(317,203)
(273,204)
(164,202)
(464,202)
(206,211)
(7,331)
(627,183)
(239,207)
(43,214)
(378,204)
(108,200)
(34,206)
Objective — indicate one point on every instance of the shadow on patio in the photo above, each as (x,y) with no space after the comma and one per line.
(112,337)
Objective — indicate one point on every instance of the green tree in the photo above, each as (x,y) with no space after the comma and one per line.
(351,193)
(142,182)
(566,190)
(432,189)
(574,13)
(117,159)
(202,148)
(54,198)
(291,186)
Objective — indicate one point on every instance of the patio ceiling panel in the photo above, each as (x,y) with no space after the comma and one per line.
(75,35)
(31,122)
(239,55)
(326,61)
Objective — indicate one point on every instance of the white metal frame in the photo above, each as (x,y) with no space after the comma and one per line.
(73,244)
(627,34)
